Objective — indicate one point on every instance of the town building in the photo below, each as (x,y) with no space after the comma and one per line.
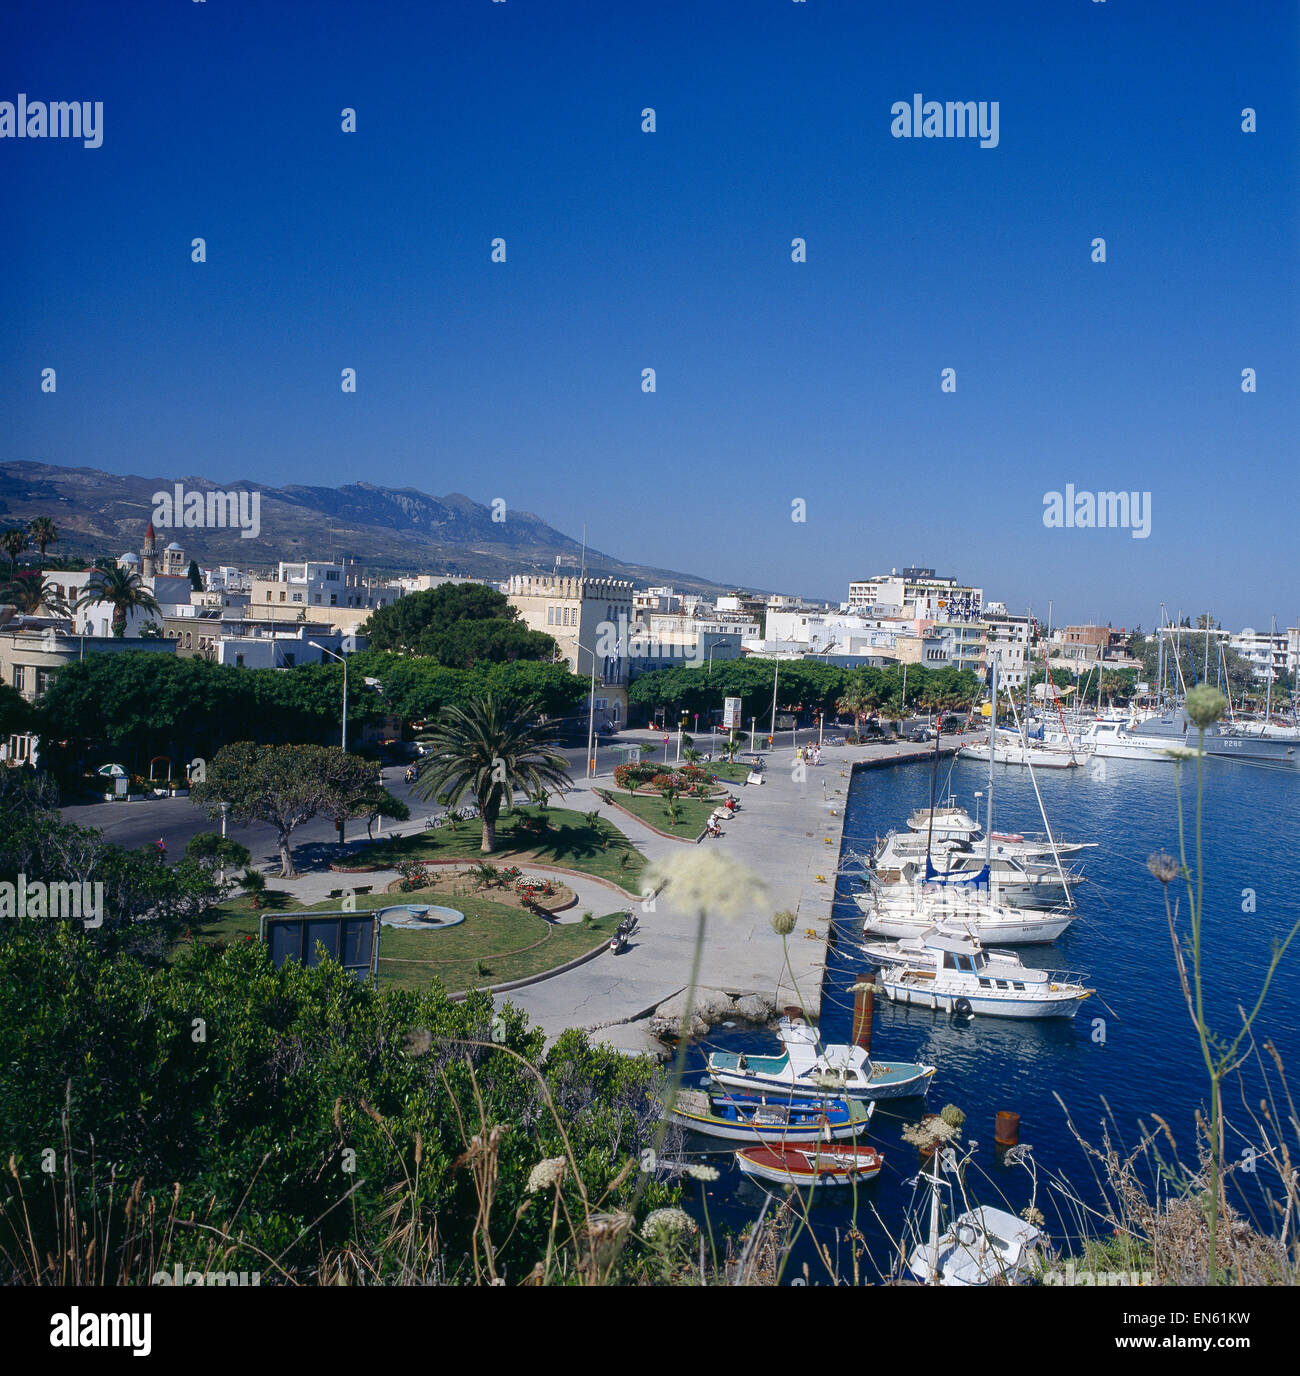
(590,620)
(916,593)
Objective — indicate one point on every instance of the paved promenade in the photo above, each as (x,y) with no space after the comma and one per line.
(788,834)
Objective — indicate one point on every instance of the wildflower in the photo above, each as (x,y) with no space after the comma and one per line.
(1163,867)
(1180,753)
(783,922)
(825,1079)
(546,1173)
(702,1172)
(667,1224)
(1032,1215)
(1204,705)
(952,1115)
(707,881)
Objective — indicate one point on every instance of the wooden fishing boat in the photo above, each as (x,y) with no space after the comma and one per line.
(759,1118)
(806,1066)
(832,1165)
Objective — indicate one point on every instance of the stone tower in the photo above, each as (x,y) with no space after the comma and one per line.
(148,555)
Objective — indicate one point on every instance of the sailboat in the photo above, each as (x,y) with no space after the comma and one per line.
(967,901)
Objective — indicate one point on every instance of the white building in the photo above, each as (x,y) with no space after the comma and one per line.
(916,593)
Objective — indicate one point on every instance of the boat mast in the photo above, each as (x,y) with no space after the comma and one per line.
(1033,779)
(1268,692)
(993,722)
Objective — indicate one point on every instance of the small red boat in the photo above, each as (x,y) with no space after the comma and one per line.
(833,1164)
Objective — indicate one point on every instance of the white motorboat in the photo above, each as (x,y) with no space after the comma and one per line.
(952,972)
(805,1066)
(1118,740)
(1009,747)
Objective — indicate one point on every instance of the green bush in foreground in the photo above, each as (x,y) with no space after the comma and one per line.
(297,1120)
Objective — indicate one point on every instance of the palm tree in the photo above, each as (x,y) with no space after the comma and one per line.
(123,591)
(489,748)
(43,533)
(30,593)
(859,702)
(13,540)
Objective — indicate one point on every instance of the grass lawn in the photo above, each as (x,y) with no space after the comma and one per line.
(495,944)
(650,807)
(735,773)
(569,840)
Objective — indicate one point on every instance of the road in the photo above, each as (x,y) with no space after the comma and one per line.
(175,820)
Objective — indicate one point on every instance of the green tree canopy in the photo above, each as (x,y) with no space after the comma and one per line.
(286,785)
(459,625)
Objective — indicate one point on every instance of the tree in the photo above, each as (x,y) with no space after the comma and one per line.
(15,712)
(29,592)
(195,575)
(13,540)
(416,623)
(285,786)
(490,749)
(121,589)
(43,533)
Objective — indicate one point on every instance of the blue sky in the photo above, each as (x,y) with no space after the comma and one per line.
(671,250)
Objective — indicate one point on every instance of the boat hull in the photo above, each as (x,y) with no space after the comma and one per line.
(892,1081)
(793,1167)
(832,1126)
(987,1005)
(1023,929)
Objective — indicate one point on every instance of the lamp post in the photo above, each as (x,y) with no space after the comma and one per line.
(591,714)
(343,660)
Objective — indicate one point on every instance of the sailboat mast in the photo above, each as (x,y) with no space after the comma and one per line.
(993,722)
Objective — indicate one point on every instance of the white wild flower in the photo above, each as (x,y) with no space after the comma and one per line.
(707,881)
(546,1173)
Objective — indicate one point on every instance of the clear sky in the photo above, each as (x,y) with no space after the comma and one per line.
(672,250)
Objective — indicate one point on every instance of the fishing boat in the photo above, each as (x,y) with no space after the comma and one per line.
(777,1119)
(849,1165)
(807,1067)
(956,975)
(981,1246)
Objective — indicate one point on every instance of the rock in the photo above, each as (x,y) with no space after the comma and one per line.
(755,1008)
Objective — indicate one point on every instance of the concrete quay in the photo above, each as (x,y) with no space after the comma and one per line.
(788,834)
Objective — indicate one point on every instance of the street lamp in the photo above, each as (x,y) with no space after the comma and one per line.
(344,661)
(591,713)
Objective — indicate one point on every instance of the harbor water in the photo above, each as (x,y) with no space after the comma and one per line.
(1129,1056)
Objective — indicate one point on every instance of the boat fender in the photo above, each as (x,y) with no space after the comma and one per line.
(962,1008)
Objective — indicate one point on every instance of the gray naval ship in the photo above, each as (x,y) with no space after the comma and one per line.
(1250,742)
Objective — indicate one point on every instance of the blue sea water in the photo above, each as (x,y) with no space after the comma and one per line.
(1129,1055)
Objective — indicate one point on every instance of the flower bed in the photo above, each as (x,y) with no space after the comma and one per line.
(685,779)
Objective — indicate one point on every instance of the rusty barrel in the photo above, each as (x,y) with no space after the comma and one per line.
(1006,1132)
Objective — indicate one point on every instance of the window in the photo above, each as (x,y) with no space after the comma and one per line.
(281,596)
(550,616)
(20,677)
(239,661)
(297,597)
(288,661)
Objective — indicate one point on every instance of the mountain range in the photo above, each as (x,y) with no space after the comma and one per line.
(388,530)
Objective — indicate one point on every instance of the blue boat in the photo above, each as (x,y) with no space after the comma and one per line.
(771,1117)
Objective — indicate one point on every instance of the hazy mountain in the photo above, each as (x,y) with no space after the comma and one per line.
(385,528)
